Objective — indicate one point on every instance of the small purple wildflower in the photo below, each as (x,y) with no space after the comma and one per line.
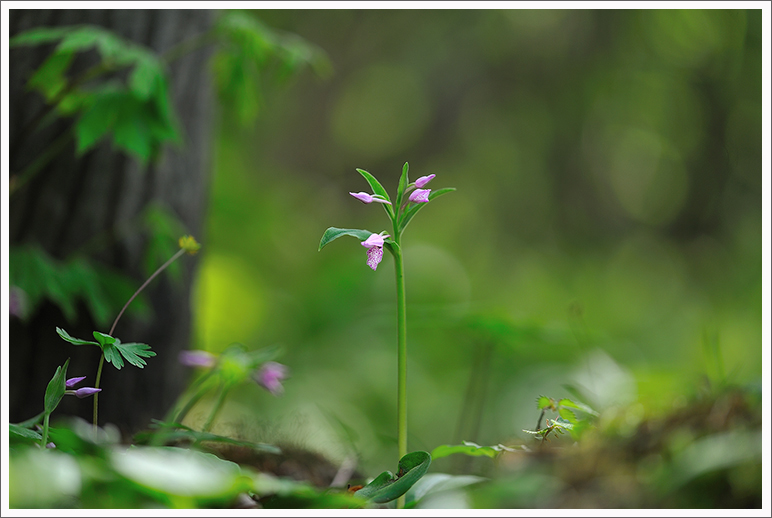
(368,198)
(84,392)
(374,245)
(70,383)
(270,377)
(197,359)
(81,392)
(17,302)
(420,195)
(424,180)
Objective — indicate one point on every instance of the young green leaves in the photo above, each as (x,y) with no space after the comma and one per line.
(114,351)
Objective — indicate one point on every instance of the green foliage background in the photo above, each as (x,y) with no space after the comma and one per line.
(605,232)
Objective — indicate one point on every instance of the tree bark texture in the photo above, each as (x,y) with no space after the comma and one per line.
(75,199)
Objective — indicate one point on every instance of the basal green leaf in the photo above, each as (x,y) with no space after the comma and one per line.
(56,388)
(333,233)
(387,487)
(23,433)
(76,341)
(412,211)
(134,352)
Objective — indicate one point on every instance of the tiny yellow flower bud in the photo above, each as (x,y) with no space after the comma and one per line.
(189,244)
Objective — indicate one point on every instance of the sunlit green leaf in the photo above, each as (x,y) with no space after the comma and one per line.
(544,402)
(567,403)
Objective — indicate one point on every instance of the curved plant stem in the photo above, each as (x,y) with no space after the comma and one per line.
(96,395)
(217,407)
(115,322)
(159,270)
(44,440)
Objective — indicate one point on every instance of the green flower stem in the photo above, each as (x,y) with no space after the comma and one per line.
(96,395)
(44,440)
(401,352)
(200,389)
(159,270)
(102,360)
(217,407)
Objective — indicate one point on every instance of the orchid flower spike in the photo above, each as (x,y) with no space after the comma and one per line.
(374,245)
(424,180)
(368,198)
(420,196)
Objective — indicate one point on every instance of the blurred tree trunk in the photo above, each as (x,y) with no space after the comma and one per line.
(74,199)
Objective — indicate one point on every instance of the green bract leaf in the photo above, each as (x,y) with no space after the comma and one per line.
(104,339)
(333,233)
(56,388)
(403,182)
(412,211)
(386,487)
(76,341)
(375,185)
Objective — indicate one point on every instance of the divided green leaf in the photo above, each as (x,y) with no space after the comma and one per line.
(134,353)
(75,341)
